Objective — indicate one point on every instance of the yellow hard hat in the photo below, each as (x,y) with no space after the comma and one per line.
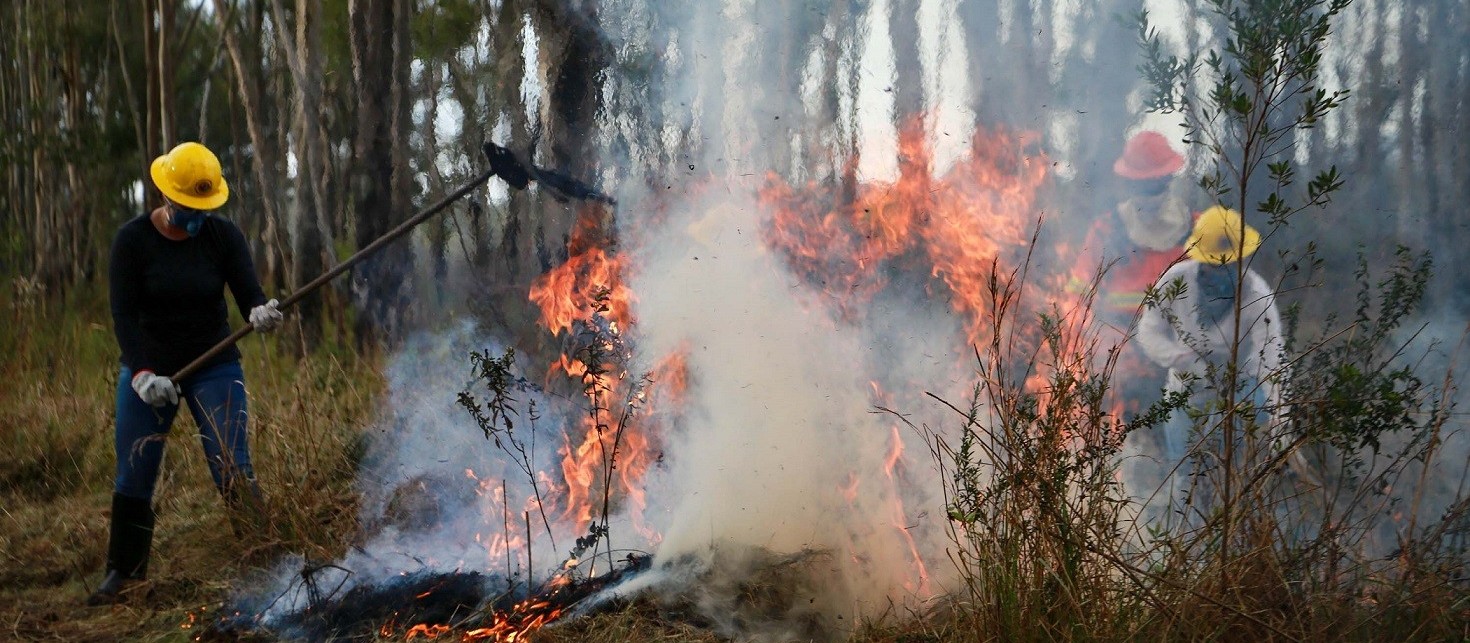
(1217,237)
(189,175)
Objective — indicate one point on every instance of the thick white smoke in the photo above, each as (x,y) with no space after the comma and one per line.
(780,451)
(780,455)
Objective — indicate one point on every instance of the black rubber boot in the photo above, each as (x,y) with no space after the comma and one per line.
(128,547)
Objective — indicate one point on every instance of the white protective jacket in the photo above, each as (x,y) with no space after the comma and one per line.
(1262,348)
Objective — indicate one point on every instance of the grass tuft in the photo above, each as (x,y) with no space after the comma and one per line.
(308,416)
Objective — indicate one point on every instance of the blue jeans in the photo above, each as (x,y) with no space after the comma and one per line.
(1179,429)
(216,398)
(1197,456)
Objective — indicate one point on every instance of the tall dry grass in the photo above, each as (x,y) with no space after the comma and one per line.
(1052,546)
(1041,529)
(58,373)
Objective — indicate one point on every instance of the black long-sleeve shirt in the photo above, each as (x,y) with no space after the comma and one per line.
(168,303)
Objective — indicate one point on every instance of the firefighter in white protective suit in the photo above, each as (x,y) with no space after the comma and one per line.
(1190,330)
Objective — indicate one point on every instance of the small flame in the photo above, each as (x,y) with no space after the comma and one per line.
(607,458)
(567,292)
(425,631)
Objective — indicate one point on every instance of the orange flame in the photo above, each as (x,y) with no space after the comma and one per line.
(957,231)
(505,626)
(900,517)
(609,454)
(963,225)
(967,229)
(585,465)
(567,292)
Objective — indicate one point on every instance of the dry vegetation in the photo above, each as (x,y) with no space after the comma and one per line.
(1044,561)
(59,363)
(310,417)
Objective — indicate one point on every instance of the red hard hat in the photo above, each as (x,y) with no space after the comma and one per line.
(1147,155)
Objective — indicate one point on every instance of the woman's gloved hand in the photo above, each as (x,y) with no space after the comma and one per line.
(155,389)
(266,317)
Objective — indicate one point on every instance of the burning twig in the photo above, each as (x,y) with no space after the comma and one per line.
(498,409)
(505,518)
(314,594)
(602,345)
(430,605)
(530,562)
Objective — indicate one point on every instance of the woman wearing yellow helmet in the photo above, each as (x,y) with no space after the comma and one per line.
(1192,328)
(167,276)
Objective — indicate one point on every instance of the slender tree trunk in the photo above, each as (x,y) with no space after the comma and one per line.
(139,131)
(478,233)
(380,60)
(511,67)
(908,82)
(310,230)
(78,234)
(9,149)
(437,231)
(42,141)
(577,59)
(166,94)
(830,152)
(151,137)
(262,160)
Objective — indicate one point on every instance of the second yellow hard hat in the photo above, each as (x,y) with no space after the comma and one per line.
(1221,237)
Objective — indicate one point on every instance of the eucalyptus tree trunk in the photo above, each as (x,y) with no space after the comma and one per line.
(438,229)
(826,152)
(908,71)
(262,156)
(518,234)
(151,127)
(1447,159)
(381,53)
(42,141)
(11,199)
(574,60)
(1007,63)
(123,66)
(167,100)
(311,233)
(460,80)
(81,202)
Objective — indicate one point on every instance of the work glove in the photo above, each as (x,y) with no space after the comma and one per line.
(266,317)
(155,389)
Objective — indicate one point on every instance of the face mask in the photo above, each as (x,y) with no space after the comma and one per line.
(188,219)
(1217,291)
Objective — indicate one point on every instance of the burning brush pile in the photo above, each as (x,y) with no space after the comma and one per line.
(706,436)
(465,529)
